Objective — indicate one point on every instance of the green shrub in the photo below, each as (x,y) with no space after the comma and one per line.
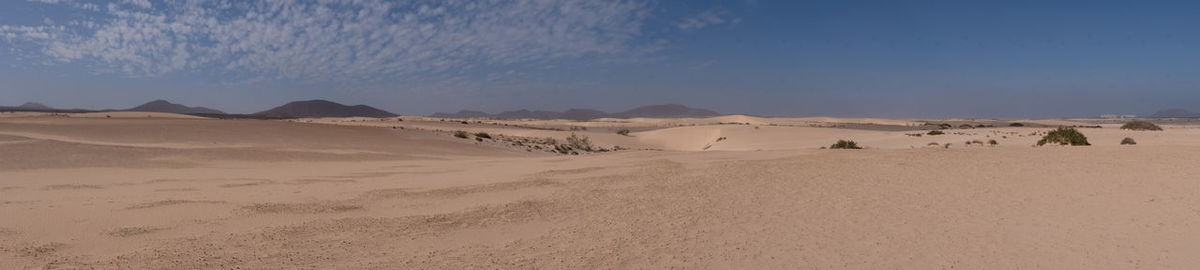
(845,144)
(935,132)
(1064,136)
(1128,141)
(1140,125)
(461,134)
(623,132)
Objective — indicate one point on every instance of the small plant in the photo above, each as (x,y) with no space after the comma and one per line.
(993,142)
(845,144)
(935,133)
(1016,125)
(461,134)
(1141,125)
(483,135)
(1064,136)
(721,139)
(933,144)
(623,132)
(1128,141)
(581,143)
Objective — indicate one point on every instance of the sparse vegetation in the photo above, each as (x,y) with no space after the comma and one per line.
(1128,141)
(1064,136)
(579,142)
(1141,125)
(935,133)
(623,132)
(993,142)
(461,134)
(483,135)
(845,144)
(1016,125)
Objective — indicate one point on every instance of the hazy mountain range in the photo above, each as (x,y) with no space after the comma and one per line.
(324,108)
(168,107)
(1175,113)
(652,111)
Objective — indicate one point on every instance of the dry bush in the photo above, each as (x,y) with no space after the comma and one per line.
(1064,136)
(578,142)
(845,144)
(1141,125)
(1128,141)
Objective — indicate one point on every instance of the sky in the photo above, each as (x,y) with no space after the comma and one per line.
(846,58)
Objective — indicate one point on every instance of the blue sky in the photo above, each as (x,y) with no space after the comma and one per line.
(806,58)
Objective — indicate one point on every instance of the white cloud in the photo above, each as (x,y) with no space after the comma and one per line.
(335,40)
(139,3)
(705,19)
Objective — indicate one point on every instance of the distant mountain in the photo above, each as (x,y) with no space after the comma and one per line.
(652,111)
(667,111)
(323,108)
(462,114)
(34,106)
(1175,113)
(164,106)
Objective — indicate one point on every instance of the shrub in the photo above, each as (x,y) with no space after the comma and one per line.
(483,135)
(844,144)
(461,134)
(1016,125)
(1128,141)
(933,144)
(1140,125)
(623,132)
(581,143)
(993,142)
(936,132)
(1064,136)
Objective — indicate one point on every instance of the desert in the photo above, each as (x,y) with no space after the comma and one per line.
(136,190)
(599,134)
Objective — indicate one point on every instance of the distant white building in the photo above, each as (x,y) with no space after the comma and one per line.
(1116,116)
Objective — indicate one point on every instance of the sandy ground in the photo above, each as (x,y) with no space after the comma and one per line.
(166,192)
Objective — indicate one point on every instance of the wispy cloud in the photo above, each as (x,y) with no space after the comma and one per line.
(332,40)
(708,18)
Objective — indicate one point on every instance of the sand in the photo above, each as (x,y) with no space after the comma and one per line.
(195,193)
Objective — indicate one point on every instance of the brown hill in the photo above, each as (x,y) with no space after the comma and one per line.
(323,108)
(168,107)
(652,111)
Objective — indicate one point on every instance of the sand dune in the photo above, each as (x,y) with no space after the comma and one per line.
(371,193)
